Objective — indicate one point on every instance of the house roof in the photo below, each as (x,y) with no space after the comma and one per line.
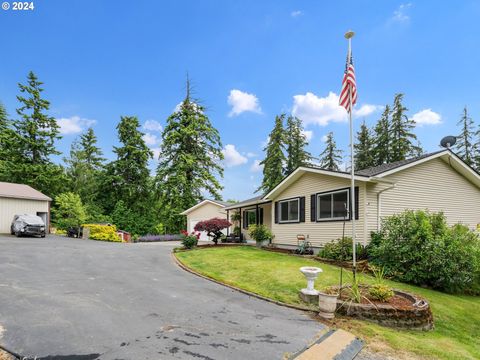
(376,173)
(252,201)
(377,170)
(21,191)
(221,204)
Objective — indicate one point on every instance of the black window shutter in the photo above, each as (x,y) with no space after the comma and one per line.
(357,203)
(302,209)
(313,205)
(276,212)
(245,225)
(261,216)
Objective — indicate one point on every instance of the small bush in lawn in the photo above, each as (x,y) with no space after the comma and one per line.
(380,292)
(419,247)
(342,250)
(260,233)
(189,241)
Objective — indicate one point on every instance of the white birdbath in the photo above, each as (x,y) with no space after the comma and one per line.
(311,274)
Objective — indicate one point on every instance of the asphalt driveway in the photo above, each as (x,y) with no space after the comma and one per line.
(72,299)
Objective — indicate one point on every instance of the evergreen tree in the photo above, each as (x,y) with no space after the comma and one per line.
(465,141)
(402,137)
(364,149)
(274,157)
(382,139)
(190,161)
(7,135)
(331,156)
(476,151)
(33,143)
(84,166)
(296,142)
(130,170)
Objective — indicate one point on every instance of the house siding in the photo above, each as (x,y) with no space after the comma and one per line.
(431,185)
(318,233)
(14,206)
(205,212)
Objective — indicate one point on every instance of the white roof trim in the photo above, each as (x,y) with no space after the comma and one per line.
(201,203)
(247,204)
(301,170)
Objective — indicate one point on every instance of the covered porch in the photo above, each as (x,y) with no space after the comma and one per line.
(253,211)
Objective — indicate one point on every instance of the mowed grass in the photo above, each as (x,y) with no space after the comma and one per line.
(277,276)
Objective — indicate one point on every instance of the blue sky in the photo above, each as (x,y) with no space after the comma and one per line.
(248,61)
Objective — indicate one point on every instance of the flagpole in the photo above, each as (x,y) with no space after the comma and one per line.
(348,35)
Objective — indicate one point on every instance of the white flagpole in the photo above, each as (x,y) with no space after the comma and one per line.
(348,36)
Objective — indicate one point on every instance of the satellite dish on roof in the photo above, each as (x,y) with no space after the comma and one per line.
(448,141)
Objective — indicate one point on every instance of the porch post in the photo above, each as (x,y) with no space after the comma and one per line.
(228,219)
(257,213)
(240,222)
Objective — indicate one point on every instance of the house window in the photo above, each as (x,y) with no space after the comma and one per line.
(333,205)
(251,217)
(289,210)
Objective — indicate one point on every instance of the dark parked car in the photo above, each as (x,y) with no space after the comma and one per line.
(27,225)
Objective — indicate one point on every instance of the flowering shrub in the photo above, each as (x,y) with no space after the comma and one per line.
(103,232)
(213,228)
(189,241)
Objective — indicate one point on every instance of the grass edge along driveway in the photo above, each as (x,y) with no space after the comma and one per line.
(277,276)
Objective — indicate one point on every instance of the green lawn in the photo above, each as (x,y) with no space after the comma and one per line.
(276,276)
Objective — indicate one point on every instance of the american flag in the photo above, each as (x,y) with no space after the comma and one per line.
(349,87)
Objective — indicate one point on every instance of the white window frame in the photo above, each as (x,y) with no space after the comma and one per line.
(249,211)
(280,210)
(331,205)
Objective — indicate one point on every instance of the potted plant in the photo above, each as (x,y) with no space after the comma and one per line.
(327,302)
(261,234)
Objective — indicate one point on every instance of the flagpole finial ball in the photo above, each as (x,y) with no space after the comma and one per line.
(349,34)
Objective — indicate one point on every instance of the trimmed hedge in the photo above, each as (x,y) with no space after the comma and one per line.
(103,232)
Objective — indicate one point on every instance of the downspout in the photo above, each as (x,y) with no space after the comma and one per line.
(379,198)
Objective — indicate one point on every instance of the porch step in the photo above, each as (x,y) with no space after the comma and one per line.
(334,345)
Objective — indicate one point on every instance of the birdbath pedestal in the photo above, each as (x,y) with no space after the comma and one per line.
(309,294)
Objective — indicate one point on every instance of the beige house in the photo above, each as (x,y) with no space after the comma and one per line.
(204,210)
(315,203)
(17,199)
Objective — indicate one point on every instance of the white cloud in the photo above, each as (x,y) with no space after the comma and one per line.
(251,154)
(74,125)
(232,156)
(427,117)
(150,139)
(241,102)
(152,125)
(308,134)
(256,166)
(400,14)
(366,109)
(265,142)
(324,138)
(323,110)
(156,153)
(296,13)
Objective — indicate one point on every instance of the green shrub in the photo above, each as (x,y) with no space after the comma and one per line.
(260,233)
(189,241)
(69,212)
(418,247)
(342,250)
(103,232)
(380,292)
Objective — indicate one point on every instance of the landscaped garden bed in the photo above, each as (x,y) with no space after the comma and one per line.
(276,276)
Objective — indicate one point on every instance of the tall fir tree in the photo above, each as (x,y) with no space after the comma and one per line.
(465,145)
(84,167)
(331,156)
(33,143)
(296,142)
(130,169)
(274,157)
(402,137)
(190,162)
(364,156)
(382,139)
(7,135)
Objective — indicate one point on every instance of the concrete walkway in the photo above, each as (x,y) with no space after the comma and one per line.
(85,299)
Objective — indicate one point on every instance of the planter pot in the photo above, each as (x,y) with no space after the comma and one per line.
(262,243)
(327,305)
